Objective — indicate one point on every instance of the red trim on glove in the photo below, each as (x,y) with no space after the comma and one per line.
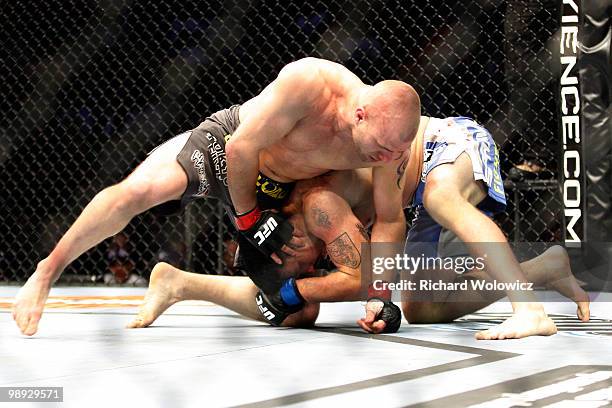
(384,294)
(248,219)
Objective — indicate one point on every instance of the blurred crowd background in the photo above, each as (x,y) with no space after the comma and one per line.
(90,87)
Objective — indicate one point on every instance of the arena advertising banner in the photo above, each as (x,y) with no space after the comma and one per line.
(571,174)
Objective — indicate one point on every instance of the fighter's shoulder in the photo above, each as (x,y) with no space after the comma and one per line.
(303,65)
(305,73)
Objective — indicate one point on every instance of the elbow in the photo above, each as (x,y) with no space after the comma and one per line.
(237,149)
(234,150)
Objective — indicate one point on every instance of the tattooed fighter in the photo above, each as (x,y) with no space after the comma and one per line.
(331,212)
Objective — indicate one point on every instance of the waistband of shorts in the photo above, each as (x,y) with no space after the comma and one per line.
(272,193)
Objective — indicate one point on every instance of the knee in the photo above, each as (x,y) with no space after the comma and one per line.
(132,194)
(411,312)
(423,313)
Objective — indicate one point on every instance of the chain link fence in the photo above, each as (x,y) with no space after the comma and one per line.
(89,87)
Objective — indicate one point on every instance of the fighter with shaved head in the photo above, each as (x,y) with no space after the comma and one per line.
(316,116)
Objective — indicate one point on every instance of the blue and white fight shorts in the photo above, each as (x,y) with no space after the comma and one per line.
(444,141)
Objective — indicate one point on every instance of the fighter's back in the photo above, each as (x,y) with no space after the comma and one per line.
(321,139)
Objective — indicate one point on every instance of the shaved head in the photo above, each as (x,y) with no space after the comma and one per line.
(397,106)
(386,120)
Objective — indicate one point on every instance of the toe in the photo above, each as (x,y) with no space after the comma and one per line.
(132,325)
(583,313)
(483,335)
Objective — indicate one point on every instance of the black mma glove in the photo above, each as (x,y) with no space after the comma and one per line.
(263,271)
(390,313)
(265,230)
(277,306)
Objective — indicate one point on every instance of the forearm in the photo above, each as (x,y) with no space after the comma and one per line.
(337,286)
(387,241)
(390,222)
(389,231)
(242,171)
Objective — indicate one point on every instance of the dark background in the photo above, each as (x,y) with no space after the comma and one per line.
(89,87)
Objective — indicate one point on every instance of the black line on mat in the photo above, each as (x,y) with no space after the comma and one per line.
(494,354)
(484,356)
(523,385)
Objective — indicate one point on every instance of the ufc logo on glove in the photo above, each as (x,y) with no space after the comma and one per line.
(265,230)
(269,226)
(264,310)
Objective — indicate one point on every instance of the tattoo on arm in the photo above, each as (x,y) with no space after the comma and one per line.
(343,251)
(400,171)
(321,217)
(363,231)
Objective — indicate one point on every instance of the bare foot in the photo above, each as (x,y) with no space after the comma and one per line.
(164,291)
(30,302)
(561,279)
(530,320)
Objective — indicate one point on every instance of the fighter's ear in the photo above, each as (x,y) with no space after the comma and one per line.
(360,114)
